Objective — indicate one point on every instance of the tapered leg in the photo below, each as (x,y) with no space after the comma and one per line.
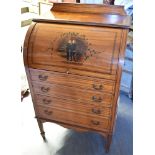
(108,142)
(40,124)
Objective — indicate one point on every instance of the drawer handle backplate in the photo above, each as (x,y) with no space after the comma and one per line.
(48,112)
(96,111)
(97,87)
(45,90)
(42,77)
(95,122)
(45,101)
(99,99)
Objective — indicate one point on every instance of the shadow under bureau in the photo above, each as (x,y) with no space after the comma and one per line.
(73,59)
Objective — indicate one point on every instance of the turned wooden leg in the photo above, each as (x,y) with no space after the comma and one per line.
(108,142)
(40,124)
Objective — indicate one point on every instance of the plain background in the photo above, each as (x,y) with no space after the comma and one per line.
(144,78)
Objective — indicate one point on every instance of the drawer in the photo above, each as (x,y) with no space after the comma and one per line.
(92,109)
(88,48)
(69,117)
(73,93)
(82,82)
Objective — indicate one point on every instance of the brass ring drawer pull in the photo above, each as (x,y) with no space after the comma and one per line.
(48,112)
(100,87)
(99,99)
(45,90)
(95,122)
(45,101)
(96,111)
(42,77)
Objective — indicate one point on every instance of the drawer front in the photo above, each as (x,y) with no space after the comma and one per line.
(73,93)
(87,48)
(91,109)
(73,118)
(82,82)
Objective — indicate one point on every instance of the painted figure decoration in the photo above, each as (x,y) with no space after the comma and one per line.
(71,49)
(75,47)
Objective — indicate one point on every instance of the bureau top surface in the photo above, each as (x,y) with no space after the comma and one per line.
(86,14)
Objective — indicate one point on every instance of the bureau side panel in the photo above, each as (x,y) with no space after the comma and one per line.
(118,77)
(25,58)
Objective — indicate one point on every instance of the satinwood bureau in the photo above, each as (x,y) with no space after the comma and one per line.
(73,59)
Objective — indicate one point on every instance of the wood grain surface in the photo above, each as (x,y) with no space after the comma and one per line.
(73,59)
(83,107)
(101,15)
(87,83)
(73,118)
(77,94)
(102,52)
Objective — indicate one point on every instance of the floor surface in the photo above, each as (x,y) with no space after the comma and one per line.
(62,141)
